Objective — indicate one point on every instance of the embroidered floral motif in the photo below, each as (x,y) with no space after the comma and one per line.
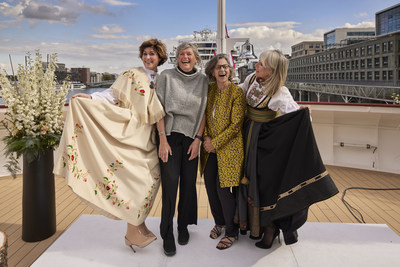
(145,209)
(70,157)
(137,87)
(256,95)
(108,188)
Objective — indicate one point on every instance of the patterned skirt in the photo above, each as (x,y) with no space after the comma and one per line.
(109,159)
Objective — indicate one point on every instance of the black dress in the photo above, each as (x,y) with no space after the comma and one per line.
(284,173)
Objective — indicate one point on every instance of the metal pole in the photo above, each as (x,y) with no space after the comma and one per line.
(221,36)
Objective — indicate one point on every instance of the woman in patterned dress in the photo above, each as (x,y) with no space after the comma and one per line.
(222,153)
(108,154)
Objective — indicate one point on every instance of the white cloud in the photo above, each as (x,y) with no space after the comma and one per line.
(109,36)
(280,36)
(109,29)
(117,52)
(363,24)
(61,11)
(280,24)
(118,3)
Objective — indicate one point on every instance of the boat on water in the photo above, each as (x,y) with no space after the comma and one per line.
(73,86)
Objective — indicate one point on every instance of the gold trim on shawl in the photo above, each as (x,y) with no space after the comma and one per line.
(294,189)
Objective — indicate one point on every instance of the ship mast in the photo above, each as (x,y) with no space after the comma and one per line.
(221,36)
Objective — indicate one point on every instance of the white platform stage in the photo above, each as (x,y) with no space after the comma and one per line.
(94,240)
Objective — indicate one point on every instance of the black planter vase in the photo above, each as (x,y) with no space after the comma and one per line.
(38,199)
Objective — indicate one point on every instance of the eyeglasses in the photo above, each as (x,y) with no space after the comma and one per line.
(225,67)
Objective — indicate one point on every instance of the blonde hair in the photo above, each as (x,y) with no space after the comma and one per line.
(278,64)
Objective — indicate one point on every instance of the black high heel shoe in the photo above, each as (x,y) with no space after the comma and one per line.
(262,244)
(290,237)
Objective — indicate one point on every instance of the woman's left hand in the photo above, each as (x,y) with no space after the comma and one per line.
(194,149)
(208,146)
(306,106)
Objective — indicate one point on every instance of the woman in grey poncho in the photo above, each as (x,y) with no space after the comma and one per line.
(183,93)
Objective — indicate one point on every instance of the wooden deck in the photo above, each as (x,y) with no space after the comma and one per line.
(377,207)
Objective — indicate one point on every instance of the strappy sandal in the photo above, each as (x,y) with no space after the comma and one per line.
(226,242)
(216,231)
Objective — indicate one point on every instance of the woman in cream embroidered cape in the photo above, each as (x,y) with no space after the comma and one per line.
(108,154)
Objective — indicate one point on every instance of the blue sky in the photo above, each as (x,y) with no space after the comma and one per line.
(104,35)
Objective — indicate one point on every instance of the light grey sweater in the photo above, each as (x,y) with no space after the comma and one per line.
(184,97)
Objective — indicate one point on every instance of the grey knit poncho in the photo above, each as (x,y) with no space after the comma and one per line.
(184,97)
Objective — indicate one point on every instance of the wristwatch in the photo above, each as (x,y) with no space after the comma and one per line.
(199,137)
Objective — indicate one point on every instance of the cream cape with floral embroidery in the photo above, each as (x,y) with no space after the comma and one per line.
(107,153)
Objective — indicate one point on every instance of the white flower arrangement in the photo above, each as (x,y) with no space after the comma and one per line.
(396,98)
(34,119)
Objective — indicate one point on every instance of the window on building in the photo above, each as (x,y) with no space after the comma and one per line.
(377,62)
(347,64)
(384,75)
(369,63)
(317,46)
(363,51)
(362,63)
(390,46)
(369,75)
(350,76)
(356,52)
(377,48)
(390,75)
(385,62)
(356,76)
(376,76)
(369,49)
(356,66)
(362,75)
(384,47)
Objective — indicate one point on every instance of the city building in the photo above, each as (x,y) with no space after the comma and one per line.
(388,20)
(356,65)
(306,48)
(340,37)
(367,70)
(83,74)
(95,77)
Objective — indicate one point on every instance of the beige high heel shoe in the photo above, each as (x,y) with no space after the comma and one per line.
(135,238)
(145,231)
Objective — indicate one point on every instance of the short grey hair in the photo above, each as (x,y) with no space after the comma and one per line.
(186,45)
(210,67)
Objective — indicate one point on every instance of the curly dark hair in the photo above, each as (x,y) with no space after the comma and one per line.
(158,46)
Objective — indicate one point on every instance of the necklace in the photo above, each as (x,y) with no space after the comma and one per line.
(152,76)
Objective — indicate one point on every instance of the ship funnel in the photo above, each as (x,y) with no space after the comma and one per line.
(247,51)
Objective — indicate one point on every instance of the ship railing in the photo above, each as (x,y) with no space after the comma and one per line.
(381,93)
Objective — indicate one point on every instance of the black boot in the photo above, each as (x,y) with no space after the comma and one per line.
(169,247)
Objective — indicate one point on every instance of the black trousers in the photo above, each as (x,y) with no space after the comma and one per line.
(179,170)
(222,200)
